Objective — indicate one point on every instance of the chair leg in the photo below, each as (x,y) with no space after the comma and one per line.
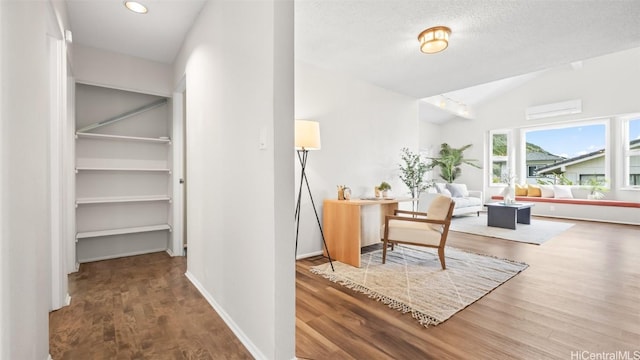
(384,251)
(441,256)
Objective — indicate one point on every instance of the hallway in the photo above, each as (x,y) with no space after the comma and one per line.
(140,307)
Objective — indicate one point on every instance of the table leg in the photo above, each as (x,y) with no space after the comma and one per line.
(524,216)
(504,217)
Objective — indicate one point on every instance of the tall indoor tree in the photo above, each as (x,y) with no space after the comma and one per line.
(413,171)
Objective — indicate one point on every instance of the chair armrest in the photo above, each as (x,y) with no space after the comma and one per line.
(404,218)
(414,213)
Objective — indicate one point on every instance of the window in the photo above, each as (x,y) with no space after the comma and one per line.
(532,170)
(569,153)
(500,148)
(589,178)
(631,151)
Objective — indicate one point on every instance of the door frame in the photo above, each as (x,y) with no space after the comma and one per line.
(59,212)
(177,247)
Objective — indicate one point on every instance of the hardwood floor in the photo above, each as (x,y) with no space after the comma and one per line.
(139,307)
(581,292)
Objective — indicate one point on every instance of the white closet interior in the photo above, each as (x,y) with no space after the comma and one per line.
(123,172)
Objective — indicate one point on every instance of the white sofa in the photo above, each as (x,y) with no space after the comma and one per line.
(467,201)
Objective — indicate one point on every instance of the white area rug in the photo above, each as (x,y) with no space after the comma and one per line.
(413,281)
(537,232)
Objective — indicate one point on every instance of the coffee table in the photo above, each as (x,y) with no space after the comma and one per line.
(507,215)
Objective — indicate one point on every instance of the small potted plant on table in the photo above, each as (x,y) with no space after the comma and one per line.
(385,189)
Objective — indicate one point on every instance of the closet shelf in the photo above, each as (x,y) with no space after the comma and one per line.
(121,199)
(131,230)
(83,168)
(122,137)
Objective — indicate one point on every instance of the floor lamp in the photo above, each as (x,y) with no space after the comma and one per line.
(307,137)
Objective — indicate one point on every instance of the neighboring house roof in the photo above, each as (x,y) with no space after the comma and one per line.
(578,159)
(542,156)
(570,161)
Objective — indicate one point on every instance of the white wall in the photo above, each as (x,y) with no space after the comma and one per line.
(25,180)
(4,248)
(238,62)
(363,127)
(119,71)
(607,86)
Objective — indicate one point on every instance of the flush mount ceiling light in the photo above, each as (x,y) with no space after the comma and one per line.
(136,7)
(434,40)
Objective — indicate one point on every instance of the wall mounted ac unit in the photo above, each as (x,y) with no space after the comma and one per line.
(555,109)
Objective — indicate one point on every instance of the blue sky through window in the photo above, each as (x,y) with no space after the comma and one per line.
(634,129)
(573,141)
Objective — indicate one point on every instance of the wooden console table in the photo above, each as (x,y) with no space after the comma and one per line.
(351,224)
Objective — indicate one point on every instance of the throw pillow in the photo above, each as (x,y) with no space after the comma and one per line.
(547,191)
(458,190)
(521,190)
(442,189)
(562,192)
(534,190)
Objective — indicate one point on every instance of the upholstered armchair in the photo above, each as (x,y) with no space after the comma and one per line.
(428,229)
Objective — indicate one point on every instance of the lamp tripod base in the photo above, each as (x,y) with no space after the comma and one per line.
(302,157)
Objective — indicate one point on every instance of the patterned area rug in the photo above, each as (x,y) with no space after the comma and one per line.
(537,232)
(413,281)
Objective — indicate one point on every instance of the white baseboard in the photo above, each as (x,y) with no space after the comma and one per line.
(308,255)
(170,252)
(49,357)
(257,354)
(68,300)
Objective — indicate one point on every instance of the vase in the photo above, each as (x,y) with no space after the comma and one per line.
(509,195)
(347,193)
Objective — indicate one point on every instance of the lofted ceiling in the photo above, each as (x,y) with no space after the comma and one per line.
(492,41)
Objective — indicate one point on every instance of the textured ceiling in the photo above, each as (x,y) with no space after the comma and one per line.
(376,41)
(157,35)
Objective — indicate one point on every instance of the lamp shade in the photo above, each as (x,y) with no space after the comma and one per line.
(307,135)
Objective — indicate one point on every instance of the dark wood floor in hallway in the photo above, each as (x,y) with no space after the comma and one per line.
(139,307)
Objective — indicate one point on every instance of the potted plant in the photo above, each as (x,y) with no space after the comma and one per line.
(596,188)
(412,173)
(384,187)
(450,160)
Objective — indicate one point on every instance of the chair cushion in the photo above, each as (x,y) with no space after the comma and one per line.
(438,210)
(412,231)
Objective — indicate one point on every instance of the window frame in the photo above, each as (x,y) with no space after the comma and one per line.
(627,153)
(606,121)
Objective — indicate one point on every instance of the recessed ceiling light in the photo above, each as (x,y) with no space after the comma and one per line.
(136,7)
